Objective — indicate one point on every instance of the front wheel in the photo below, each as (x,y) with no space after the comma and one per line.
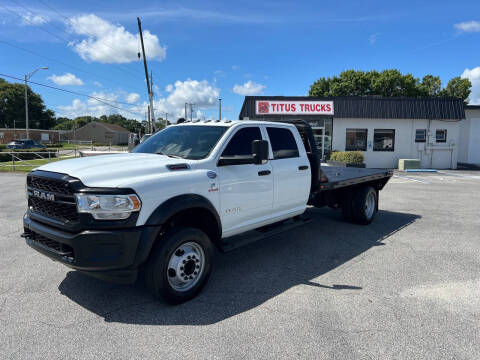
(179,265)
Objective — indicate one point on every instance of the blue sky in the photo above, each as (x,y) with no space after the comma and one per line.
(204,50)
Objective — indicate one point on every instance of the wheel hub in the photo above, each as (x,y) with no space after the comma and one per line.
(186,266)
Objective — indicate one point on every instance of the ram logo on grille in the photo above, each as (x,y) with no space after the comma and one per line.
(44,195)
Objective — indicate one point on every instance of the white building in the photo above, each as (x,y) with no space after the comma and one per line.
(385,129)
(469,143)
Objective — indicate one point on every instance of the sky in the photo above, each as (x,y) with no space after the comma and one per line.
(200,51)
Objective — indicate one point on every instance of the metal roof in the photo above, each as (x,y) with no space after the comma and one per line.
(370,107)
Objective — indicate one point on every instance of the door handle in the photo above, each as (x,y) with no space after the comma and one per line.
(303,167)
(264,172)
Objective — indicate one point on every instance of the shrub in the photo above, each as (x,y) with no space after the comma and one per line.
(348,157)
(3,146)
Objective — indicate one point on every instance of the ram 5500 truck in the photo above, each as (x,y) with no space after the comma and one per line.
(161,209)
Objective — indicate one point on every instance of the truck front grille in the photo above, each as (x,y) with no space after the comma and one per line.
(63,208)
(50,185)
(66,212)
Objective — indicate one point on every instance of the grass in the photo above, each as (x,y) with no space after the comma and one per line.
(27,165)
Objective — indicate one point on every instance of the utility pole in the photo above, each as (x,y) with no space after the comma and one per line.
(185,111)
(191,112)
(27,77)
(166,120)
(149,121)
(220,109)
(152,109)
(149,88)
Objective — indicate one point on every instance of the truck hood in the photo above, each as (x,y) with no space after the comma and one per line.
(113,170)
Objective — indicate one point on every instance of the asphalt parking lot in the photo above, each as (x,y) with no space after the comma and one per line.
(405,287)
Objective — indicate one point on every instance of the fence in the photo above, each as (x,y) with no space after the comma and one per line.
(40,158)
(77,142)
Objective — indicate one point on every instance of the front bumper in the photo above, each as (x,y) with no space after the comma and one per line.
(113,255)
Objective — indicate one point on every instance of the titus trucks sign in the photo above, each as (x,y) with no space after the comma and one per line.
(272,107)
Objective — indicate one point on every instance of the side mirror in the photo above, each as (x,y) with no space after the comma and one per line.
(260,151)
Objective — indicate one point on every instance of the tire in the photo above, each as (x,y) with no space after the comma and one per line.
(365,205)
(179,265)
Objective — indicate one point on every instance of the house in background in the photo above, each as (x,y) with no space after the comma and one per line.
(99,132)
(41,136)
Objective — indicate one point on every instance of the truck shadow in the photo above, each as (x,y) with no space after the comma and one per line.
(247,277)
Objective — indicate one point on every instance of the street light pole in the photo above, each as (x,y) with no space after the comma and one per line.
(27,77)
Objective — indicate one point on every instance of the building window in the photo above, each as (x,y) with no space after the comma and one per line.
(384,140)
(420,135)
(283,143)
(356,139)
(441,136)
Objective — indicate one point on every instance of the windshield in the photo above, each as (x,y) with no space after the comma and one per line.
(189,142)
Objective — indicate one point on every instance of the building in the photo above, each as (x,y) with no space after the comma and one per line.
(99,132)
(469,144)
(42,136)
(385,129)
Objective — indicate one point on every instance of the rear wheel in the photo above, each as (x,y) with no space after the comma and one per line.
(179,265)
(365,205)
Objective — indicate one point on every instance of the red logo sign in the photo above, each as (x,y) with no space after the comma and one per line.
(263,107)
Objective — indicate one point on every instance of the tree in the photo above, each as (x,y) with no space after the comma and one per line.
(431,86)
(12,107)
(388,83)
(458,87)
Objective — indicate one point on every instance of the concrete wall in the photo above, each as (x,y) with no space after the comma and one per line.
(432,154)
(469,150)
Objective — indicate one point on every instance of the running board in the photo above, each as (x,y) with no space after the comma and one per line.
(237,241)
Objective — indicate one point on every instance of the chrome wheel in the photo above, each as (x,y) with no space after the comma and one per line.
(186,266)
(370,204)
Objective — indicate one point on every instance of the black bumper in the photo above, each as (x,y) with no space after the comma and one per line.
(113,255)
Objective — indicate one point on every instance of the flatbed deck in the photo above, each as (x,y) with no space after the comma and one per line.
(339,177)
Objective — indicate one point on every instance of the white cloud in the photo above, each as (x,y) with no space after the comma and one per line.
(373,38)
(235,67)
(92,107)
(202,94)
(30,19)
(66,79)
(97,83)
(474,76)
(132,98)
(109,43)
(468,26)
(249,88)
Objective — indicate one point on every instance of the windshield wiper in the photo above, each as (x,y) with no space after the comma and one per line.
(169,155)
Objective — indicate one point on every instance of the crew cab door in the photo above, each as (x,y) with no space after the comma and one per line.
(291,171)
(246,191)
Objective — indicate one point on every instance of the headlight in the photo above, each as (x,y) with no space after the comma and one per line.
(108,207)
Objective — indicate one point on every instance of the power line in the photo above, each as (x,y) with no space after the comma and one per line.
(104,101)
(57,61)
(55,35)
(84,29)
